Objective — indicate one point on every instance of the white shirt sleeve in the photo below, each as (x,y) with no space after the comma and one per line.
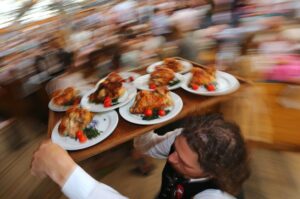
(80,185)
(155,145)
(213,194)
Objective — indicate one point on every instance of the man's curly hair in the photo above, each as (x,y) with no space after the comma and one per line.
(221,150)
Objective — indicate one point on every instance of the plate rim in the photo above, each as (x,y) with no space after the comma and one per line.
(111,114)
(123,111)
(232,89)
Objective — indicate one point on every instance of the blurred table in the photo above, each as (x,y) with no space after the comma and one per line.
(126,131)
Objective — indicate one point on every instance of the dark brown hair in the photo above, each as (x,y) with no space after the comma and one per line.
(221,150)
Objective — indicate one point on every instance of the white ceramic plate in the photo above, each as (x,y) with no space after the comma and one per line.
(106,122)
(226,84)
(125,75)
(130,92)
(137,119)
(142,82)
(82,90)
(187,66)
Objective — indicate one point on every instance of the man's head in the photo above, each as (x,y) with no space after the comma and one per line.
(211,147)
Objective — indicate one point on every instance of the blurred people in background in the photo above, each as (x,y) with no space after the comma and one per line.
(126,34)
(125,11)
(160,23)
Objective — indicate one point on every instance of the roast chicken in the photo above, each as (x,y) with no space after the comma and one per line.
(111,87)
(66,97)
(173,64)
(158,99)
(161,76)
(202,76)
(75,119)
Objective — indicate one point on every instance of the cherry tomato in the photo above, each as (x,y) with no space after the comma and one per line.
(210,87)
(161,112)
(79,134)
(131,79)
(107,102)
(148,112)
(107,99)
(82,139)
(195,87)
(152,86)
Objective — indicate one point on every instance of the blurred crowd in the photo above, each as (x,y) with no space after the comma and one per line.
(258,38)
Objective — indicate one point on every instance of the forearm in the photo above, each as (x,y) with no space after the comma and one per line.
(81,185)
(63,171)
(155,145)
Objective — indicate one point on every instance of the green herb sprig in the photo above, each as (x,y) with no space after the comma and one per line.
(91,132)
(173,82)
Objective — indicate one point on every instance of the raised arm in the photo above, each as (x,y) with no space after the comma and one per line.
(53,161)
(154,145)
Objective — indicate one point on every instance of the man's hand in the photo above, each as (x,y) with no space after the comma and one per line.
(53,161)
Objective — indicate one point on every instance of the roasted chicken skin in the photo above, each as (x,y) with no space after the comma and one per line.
(111,87)
(202,76)
(173,64)
(161,76)
(75,119)
(158,99)
(68,96)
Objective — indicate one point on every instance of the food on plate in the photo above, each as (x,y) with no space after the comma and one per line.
(108,90)
(161,77)
(203,77)
(173,64)
(150,102)
(76,119)
(128,79)
(67,97)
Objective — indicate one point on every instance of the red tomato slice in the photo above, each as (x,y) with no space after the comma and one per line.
(131,79)
(82,139)
(148,112)
(152,86)
(107,102)
(195,87)
(161,112)
(210,87)
(79,133)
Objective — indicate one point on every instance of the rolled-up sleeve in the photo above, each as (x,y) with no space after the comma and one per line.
(80,185)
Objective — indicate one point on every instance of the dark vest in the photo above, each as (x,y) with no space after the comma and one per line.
(174,186)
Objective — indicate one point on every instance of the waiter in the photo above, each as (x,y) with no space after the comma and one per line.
(206,159)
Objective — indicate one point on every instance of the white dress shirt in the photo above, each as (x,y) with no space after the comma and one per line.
(80,185)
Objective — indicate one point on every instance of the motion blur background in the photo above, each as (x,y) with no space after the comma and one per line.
(50,44)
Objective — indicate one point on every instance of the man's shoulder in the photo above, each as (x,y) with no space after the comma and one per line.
(213,194)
